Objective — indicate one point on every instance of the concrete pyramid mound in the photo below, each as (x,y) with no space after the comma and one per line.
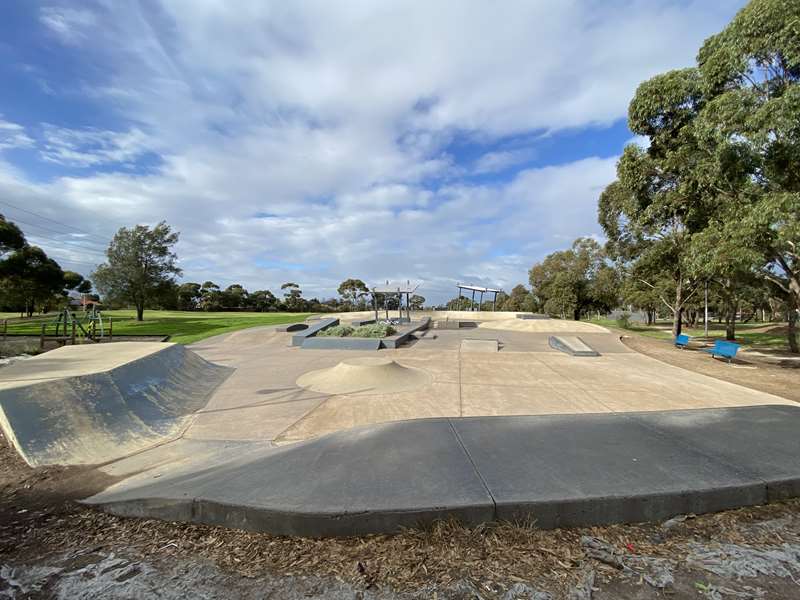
(366,375)
(95,403)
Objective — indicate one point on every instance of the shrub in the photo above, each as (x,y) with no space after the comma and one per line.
(374,330)
(624,321)
(337,331)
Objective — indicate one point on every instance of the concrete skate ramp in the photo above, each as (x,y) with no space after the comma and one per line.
(556,471)
(90,404)
(372,375)
(572,345)
(543,326)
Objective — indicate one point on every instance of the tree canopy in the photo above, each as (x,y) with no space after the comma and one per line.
(352,292)
(571,282)
(140,261)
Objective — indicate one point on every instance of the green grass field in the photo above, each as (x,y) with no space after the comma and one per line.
(754,339)
(182,327)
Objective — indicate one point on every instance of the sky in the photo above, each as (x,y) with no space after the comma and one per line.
(438,142)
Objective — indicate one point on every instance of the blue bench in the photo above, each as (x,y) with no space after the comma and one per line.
(682,341)
(724,349)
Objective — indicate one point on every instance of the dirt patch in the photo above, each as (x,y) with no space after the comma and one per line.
(750,372)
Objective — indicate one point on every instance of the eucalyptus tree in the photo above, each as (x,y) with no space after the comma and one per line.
(751,79)
(658,201)
(353,292)
(11,236)
(574,281)
(28,277)
(140,261)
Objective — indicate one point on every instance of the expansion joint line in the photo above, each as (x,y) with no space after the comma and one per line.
(460,399)
(474,468)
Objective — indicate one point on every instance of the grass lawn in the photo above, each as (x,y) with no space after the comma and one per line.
(662,330)
(183,327)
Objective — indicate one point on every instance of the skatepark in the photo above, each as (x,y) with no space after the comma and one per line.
(474,416)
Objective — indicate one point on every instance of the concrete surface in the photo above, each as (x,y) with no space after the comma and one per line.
(90,404)
(479,345)
(365,375)
(561,470)
(356,482)
(572,345)
(271,412)
(543,326)
(74,361)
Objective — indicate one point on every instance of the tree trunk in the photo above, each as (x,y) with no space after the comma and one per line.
(140,311)
(730,320)
(576,314)
(791,332)
(794,305)
(678,311)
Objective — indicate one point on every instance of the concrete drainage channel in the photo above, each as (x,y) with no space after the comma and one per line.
(557,470)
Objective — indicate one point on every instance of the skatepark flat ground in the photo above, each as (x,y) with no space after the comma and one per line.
(261,402)
(260,449)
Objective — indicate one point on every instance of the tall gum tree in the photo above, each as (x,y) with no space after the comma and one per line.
(751,78)
(139,262)
(657,203)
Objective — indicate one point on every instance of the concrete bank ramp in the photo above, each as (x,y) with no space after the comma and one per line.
(90,404)
(572,345)
(554,326)
(557,470)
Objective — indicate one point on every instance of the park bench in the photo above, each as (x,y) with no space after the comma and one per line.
(724,349)
(682,341)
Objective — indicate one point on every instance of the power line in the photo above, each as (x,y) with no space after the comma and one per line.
(81,248)
(50,229)
(30,212)
(75,262)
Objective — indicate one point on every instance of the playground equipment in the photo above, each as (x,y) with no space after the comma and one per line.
(70,329)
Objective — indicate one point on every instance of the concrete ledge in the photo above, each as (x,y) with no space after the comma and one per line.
(557,470)
(456,324)
(405,333)
(292,327)
(355,343)
(314,327)
(360,322)
(341,343)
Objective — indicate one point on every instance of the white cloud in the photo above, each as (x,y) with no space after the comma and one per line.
(318,133)
(89,146)
(69,24)
(492,162)
(13,135)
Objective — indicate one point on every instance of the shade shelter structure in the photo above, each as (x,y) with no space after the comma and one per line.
(479,290)
(390,289)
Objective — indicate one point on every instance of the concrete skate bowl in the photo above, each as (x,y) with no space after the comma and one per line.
(95,403)
(365,375)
